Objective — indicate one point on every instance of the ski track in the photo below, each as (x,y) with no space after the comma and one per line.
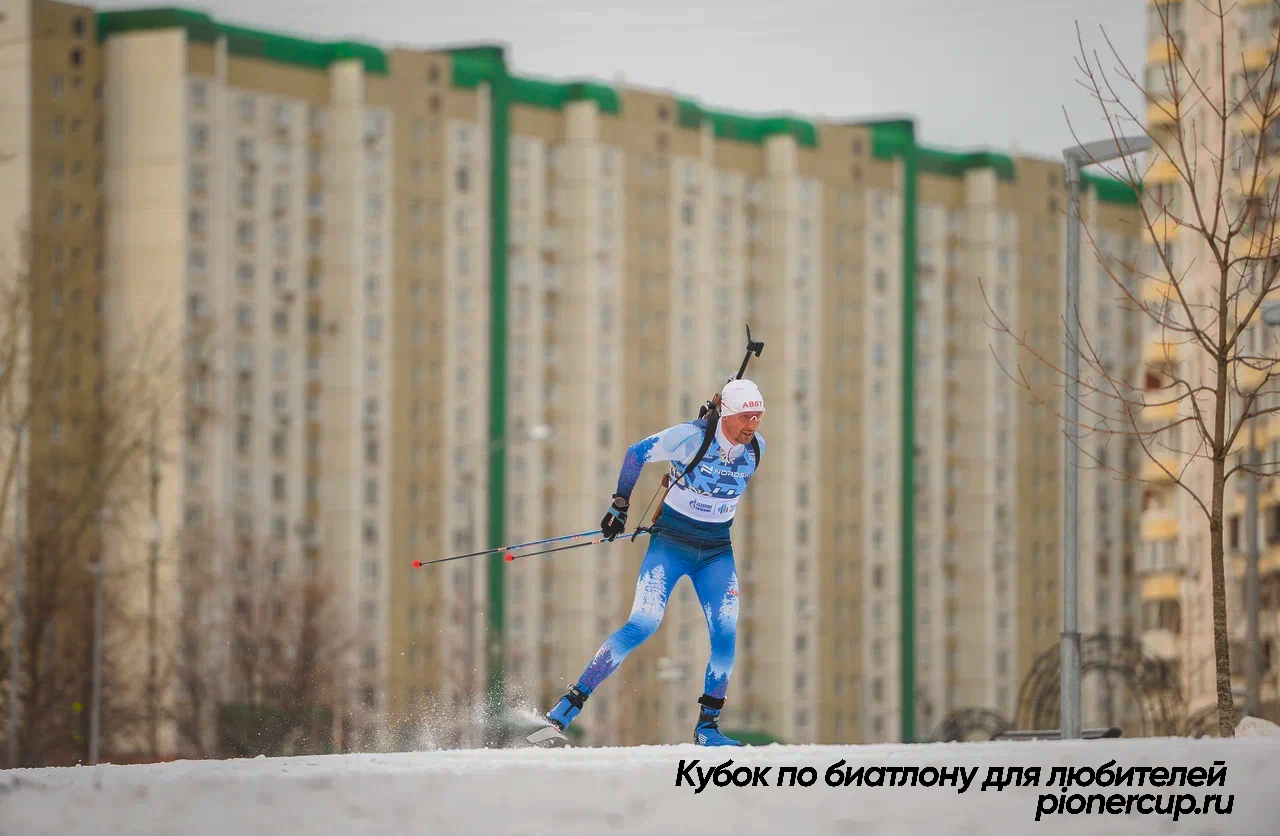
(624,790)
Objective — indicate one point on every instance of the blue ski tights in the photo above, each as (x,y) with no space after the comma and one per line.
(709,564)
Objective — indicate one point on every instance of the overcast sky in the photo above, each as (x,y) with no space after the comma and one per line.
(993,74)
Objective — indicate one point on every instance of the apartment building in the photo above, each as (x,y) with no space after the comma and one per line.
(1176,584)
(423,305)
(51,270)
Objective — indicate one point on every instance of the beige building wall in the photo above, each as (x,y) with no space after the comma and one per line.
(1175,578)
(18,180)
(147,291)
(627,232)
(278,185)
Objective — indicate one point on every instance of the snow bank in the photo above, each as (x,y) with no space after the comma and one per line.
(1257,727)
(633,790)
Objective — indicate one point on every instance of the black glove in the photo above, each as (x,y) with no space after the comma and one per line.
(615,521)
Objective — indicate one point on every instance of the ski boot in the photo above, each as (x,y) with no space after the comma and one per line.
(707,731)
(559,717)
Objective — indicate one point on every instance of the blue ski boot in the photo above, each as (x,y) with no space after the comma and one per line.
(707,732)
(561,716)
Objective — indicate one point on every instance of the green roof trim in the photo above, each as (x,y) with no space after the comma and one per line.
(242,41)
(1111,190)
(200,26)
(954,164)
(477,65)
(743,128)
(485,64)
(554,96)
(891,138)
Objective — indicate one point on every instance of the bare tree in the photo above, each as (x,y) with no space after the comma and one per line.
(1211,262)
(81,469)
(261,652)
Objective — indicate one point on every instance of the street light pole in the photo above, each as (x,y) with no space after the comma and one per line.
(152,584)
(1076,157)
(1070,638)
(15,665)
(95,713)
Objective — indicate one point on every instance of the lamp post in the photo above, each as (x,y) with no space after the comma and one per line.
(153,560)
(1076,157)
(95,712)
(15,666)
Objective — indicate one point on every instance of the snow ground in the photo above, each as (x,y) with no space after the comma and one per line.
(625,790)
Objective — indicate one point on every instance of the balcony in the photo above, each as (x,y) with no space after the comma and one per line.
(1155,471)
(1269,562)
(1160,587)
(1249,377)
(1154,291)
(1159,50)
(1165,410)
(1163,171)
(1161,613)
(1159,352)
(1256,58)
(1159,524)
(1160,113)
(1162,644)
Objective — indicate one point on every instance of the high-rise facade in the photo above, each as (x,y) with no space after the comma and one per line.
(1174,566)
(424,304)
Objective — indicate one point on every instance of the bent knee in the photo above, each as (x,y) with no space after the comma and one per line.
(638,629)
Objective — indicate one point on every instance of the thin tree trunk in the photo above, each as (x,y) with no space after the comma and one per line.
(1221,641)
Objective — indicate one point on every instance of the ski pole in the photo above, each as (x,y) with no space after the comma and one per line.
(417,564)
(595,542)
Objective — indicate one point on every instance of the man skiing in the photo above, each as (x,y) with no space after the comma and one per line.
(691,538)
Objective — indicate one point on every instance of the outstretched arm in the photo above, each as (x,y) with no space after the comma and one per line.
(679,442)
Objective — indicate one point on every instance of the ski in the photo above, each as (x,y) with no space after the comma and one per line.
(549,736)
